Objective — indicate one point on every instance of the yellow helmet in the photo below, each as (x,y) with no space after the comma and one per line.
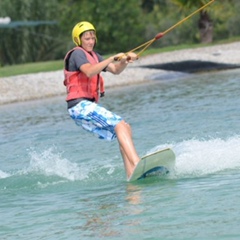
(80,28)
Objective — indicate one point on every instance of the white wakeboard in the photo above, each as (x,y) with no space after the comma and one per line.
(156,163)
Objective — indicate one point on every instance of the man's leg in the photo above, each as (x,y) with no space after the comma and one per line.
(127,148)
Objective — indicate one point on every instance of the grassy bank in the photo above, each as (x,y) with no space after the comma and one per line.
(26,68)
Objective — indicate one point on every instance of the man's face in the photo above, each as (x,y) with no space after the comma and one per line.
(88,40)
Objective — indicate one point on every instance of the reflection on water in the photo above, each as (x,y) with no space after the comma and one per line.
(133,194)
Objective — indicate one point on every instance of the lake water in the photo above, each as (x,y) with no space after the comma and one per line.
(59,182)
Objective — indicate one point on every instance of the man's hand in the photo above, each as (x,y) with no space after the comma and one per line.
(126,57)
(131,56)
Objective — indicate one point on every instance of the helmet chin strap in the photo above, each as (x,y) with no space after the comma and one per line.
(76,40)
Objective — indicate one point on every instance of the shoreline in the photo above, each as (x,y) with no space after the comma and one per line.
(49,84)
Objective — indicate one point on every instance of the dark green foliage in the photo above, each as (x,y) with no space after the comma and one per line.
(121,25)
(28,43)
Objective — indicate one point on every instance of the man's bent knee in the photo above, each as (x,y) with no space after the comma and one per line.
(123,125)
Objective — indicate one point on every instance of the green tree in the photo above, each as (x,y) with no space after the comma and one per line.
(219,19)
(148,5)
(28,41)
(205,23)
(119,24)
(163,15)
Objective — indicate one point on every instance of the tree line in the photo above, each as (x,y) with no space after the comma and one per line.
(44,28)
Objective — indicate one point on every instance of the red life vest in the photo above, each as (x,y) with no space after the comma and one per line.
(79,85)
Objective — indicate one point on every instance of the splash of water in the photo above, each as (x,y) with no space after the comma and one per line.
(50,163)
(194,158)
(199,158)
(4,175)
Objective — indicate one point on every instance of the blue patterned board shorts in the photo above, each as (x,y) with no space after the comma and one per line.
(95,119)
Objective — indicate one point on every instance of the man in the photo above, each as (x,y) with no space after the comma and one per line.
(83,82)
